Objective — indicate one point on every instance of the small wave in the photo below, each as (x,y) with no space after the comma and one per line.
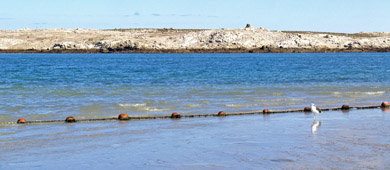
(277,104)
(277,94)
(239,105)
(205,102)
(193,105)
(334,101)
(133,105)
(233,93)
(141,107)
(154,109)
(376,93)
(275,100)
(356,94)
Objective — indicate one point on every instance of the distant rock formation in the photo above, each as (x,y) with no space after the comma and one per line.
(248,39)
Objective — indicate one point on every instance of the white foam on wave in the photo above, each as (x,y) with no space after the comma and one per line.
(374,93)
(238,105)
(141,107)
(273,104)
(133,105)
(154,109)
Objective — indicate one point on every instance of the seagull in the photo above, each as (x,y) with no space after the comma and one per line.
(315,110)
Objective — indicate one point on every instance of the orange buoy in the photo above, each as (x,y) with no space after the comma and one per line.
(266,111)
(175,115)
(123,116)
(221,113)
(21,120)
(345,107)
(70,119)
(385,104)
(307,109)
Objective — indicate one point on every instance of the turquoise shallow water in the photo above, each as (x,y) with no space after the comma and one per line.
(53,86)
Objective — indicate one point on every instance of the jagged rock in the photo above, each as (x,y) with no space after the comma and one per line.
(64,45)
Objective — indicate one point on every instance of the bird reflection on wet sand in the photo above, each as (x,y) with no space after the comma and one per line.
(315,125)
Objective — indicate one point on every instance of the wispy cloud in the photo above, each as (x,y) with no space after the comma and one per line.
(6,18)
(39,23)
(156,15)
(135,14)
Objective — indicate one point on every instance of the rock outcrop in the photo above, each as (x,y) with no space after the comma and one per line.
(248,39)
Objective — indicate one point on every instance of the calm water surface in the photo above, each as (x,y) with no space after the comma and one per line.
(53,86)
(358,139)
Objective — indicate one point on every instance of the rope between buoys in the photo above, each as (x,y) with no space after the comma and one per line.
(190,116)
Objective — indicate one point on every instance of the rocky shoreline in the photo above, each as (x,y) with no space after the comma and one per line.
(275,50)
(245,40)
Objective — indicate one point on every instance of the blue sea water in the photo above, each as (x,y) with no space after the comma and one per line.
(53,86)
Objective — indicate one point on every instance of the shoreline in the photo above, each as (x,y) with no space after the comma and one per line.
(220,50)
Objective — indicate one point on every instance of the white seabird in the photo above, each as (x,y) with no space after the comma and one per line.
(315,110)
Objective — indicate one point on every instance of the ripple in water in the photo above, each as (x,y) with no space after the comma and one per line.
(91,85)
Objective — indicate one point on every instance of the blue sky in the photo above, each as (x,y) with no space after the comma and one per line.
(310,15)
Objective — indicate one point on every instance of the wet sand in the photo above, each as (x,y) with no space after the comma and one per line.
(356,139)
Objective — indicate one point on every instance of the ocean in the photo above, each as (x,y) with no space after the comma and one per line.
(54,86)
(87,86)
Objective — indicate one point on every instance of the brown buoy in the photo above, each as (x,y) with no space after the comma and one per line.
(221,113)
(385,104)
(123,116)
(266,111)
(345,107)
(21,120)
(70,119)
(307,109)
(175,115)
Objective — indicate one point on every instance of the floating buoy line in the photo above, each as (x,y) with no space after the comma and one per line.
(175,115)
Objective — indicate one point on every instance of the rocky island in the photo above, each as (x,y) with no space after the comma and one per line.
(244,40)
